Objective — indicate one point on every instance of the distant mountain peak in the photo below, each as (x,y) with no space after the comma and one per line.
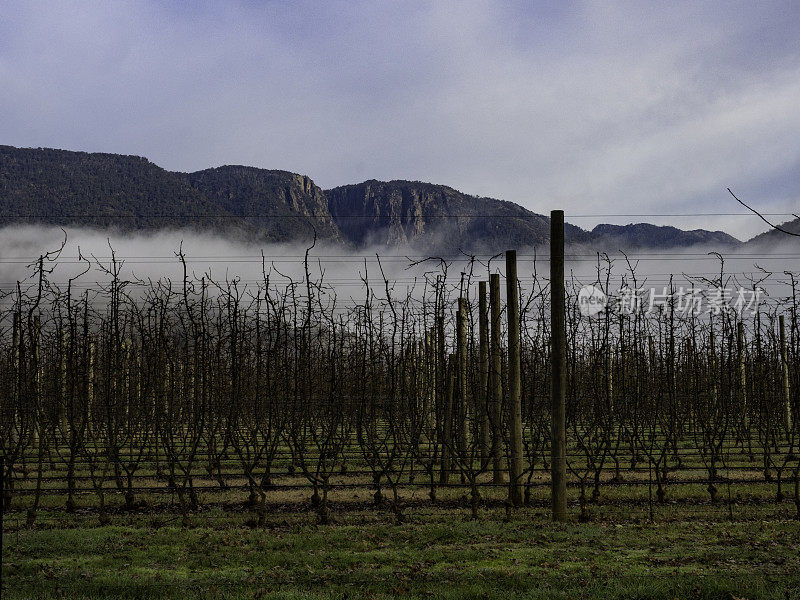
(647,235)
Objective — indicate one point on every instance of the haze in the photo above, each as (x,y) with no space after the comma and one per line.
(149,257)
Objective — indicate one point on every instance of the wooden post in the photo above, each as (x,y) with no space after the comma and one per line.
(16,354)
(514,380)
(38,418)
(610,380)
(496,379)
(461,379)
(558,314)
(785,377)
(483,372)
(62,380)
(443,393)
(742,372)
(712,363)
(447,433)
(428,400)
(90,379)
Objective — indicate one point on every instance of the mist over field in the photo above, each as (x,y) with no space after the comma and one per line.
(146,257)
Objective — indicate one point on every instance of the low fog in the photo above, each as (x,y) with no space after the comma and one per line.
(149,257)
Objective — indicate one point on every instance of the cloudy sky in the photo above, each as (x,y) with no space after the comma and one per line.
(597,108)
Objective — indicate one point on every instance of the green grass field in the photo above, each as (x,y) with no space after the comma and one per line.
(691,551)
(746,545)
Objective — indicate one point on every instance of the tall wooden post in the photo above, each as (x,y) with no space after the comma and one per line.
(62,380)
(483,372)
(514,380)
(16,354)
(610,380)
(445,404)
(742,372)
(38,419)
(461,379)
(558,319)
(447,433)
(16,337)
(785,376)
(496,379)
(429,377)
(90,379)
(712,363)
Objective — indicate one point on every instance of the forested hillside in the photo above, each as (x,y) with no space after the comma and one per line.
(129,193)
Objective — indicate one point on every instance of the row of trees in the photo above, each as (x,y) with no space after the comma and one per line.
(200,379)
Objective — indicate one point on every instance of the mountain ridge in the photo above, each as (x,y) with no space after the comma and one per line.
(127,192)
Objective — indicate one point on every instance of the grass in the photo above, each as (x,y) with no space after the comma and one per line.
(748,548)
(444,556)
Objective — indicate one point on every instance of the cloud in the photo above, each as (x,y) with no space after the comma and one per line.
(592,107)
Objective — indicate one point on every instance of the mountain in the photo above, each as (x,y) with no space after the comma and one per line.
(60,187)
(773,236)
(645,235)
(435,217)
(126,193)
(292,202)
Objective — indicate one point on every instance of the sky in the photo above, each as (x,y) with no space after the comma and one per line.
(597,108)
